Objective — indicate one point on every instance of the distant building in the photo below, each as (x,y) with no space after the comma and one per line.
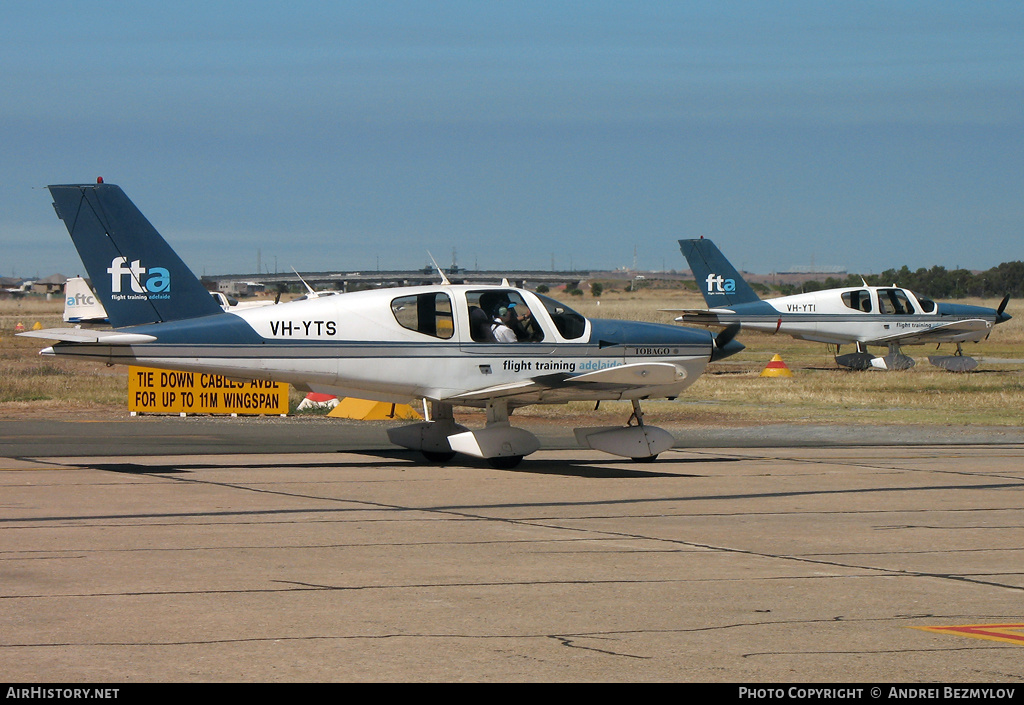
(53,284)
(12,287)
(241,288)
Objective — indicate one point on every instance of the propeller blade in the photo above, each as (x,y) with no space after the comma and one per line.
(724,343)
(723,338)
(1002,305)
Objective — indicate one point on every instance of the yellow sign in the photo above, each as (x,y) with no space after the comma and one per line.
(168,392)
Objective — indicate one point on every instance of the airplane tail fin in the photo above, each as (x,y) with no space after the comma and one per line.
(136,275)
(717,279)
(81,304)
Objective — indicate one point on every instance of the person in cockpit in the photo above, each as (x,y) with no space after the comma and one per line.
(500,328)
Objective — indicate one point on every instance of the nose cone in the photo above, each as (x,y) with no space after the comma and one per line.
(691,341)
(997,315)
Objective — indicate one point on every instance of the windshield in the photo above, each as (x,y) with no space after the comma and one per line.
(927,305)
(570,324)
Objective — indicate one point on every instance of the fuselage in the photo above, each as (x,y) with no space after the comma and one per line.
(427,342)
(867,314)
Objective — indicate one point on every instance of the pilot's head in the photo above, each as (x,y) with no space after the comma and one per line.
(503,313)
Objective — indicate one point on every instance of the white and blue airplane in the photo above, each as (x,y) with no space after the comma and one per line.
(432,344)
(865,315)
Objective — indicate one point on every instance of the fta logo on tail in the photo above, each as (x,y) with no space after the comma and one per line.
(158,280)
(717,284)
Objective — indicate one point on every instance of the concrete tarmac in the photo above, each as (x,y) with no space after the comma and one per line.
(771,563)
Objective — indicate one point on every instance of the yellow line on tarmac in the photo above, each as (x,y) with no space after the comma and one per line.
(1009,633)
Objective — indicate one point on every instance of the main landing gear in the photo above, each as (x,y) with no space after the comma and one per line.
(439,438)
(896,360)
(430,437)
(502,445)
(863,360)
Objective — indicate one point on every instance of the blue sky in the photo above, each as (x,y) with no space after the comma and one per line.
(352,136)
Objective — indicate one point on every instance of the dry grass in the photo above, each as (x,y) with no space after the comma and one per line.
(731,392)
(30,383)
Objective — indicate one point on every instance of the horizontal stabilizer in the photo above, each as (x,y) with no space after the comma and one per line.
(697,311)
(90,335)
(710,317)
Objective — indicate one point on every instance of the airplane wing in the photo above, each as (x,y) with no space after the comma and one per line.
(639,374)
(89,335)
(968,329)
(501,391)
(554,387)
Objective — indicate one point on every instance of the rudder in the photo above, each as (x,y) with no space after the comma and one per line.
(716,278)
(135,273)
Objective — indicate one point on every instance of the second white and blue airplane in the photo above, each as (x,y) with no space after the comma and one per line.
(433,344)
(887,316)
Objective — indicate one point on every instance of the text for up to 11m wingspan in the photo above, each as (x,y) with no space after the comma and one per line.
(166,391)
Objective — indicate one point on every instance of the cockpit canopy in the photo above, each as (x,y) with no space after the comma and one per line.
(433,313)
(890,301)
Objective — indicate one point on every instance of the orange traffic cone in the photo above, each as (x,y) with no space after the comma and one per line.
(776,368)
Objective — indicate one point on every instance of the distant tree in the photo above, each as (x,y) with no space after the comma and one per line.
(542,289)
(596,288)
(1007,278)
(937,282)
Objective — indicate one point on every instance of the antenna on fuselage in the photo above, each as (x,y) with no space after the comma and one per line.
(312,294)
(444,279)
